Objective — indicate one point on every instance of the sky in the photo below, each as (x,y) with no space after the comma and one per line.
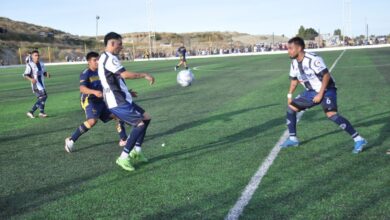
(247,16)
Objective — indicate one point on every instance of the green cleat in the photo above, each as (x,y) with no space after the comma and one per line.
(138,156)
(125,164)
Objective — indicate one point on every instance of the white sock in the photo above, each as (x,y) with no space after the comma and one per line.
(358,138)
(293,138)
(124,155)
(137,149)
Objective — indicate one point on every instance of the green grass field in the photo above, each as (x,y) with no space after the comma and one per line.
(216,134)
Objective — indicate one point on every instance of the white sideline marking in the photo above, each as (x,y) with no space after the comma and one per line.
(254,183)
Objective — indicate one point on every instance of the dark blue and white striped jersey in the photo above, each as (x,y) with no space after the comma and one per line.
(310,72)
(115,90)
(36,71)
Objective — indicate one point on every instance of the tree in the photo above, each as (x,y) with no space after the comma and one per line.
(307,34)
(301,32)
(337,32)
(310,34)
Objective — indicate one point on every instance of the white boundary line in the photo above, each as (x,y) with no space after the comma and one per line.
(253,184)
(226,55)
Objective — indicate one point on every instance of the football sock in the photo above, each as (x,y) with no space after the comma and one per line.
(133,136)
(121,130)
(140,139)
(84,127)
(124,155)
(345,125)
(35,106)
(292,122)
(137,148)
(41,104)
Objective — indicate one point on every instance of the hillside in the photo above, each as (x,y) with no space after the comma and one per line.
(56,45)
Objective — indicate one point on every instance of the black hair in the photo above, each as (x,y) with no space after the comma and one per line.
(34,51)
(297,41)
(91,54)
(111,35)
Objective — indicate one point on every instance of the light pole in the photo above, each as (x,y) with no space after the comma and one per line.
(97,19)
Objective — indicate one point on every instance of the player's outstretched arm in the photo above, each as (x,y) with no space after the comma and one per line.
(87,91)
(132,75)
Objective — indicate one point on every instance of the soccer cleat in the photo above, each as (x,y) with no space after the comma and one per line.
(122,143)
(289,143)
(69,143)
(359,145)
(139,156)
(175,68)
(125,164)
(42,115)
(30,115)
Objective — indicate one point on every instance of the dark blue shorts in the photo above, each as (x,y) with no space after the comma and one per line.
(96,110)
(131,114)
(305,100)
(40,93)
(183,58)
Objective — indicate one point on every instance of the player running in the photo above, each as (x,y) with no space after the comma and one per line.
(93,104)
(35,73)
(311,71)
(119,100)
(182,51)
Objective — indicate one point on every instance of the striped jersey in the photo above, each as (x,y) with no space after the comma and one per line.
(115,91)
(36,71)
(310,72)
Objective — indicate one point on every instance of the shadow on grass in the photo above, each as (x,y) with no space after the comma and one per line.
(23,202)
(221,117)
(366,122)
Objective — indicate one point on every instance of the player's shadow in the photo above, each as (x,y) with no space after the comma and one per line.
(366,122)
(140,100)
(32,132)
(230,140)
(223,142)
(196,123)
(27,201)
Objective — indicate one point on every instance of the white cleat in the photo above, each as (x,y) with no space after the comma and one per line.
(30,115)
(69,145)
(122,143)
(42,115)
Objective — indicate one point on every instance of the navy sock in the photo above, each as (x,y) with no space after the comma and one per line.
(133,136)
(79,131)
(292,122)
(41,105)
(140,139)
(344,124)
(35,106)
(121,130)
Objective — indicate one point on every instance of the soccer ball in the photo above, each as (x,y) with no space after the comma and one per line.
(185,78)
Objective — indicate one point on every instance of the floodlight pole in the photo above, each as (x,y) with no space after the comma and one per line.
(97,19)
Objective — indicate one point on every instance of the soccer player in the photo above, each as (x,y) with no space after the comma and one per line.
(182,54)
(35,73)
(119,100)
(311,71)
(93,104)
